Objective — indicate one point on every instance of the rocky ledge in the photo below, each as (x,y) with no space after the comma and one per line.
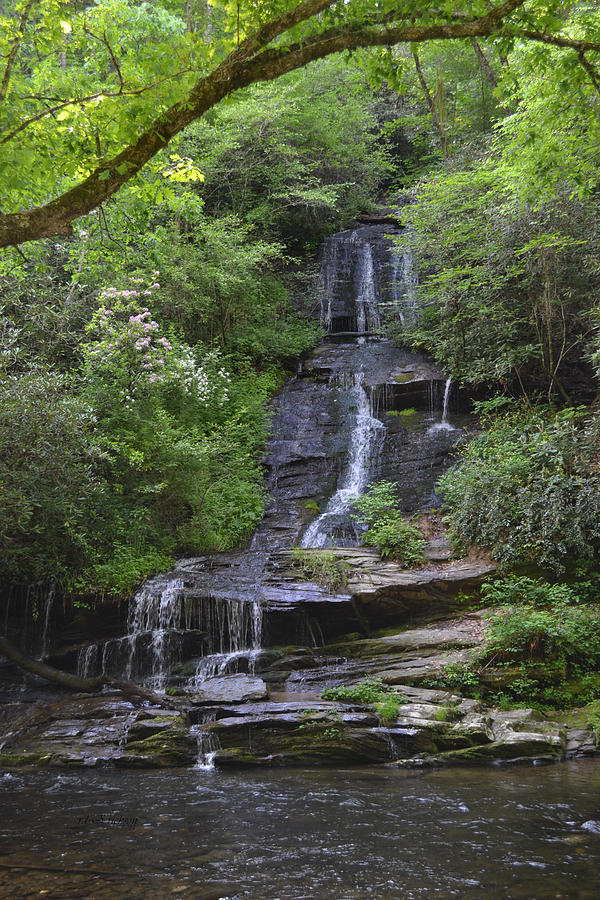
(281,718)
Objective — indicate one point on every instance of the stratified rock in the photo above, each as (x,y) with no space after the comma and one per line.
(231,689)
(581,742)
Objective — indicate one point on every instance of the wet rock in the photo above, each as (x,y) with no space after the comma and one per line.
(319,744)
(524,748)
(169,745)
(81,730)
(507,724)
(231,689)
(145,726)
(580,742)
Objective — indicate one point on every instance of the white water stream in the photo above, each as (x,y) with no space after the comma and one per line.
(364,444)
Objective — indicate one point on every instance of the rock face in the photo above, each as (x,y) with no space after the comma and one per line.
(225,631)
(98,731)
(230,723)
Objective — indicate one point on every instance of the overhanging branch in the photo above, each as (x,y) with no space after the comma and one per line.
(249,63)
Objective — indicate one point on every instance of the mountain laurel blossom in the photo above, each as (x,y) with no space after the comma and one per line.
(129,348)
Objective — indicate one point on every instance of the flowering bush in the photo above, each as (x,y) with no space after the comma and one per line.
(132,354)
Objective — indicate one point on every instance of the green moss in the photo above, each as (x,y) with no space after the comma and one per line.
(410,411)
(26,758)
(170,747)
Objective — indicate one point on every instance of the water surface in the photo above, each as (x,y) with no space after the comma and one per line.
(522,833)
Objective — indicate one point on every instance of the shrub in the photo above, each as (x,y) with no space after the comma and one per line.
(370,692)
(321,566)
(392,534)
(563,634)
(517,589)
(387,709)
(528,489)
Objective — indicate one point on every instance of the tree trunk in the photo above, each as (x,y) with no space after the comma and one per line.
(433,107)
(484,64)
(73,682)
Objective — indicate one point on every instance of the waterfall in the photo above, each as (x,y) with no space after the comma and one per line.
(446,398)
(48,601)
(158,613)
(364,439)
(444,424)
(87,661)
(403,286)
(328,443)
(352,281)
(208,742)
(367,311)
(161,614)
(239,643)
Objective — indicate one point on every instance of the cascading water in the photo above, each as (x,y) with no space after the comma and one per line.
(208,742)
(444,424)
(446,398)
(403,287)
(364,440)
(359,409)
(162,618)
(367,310)
(239,643)
(87,661)
(157,614)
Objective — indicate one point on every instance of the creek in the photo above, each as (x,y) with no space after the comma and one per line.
(526,834)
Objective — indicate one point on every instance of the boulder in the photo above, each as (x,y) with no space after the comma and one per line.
(231,689)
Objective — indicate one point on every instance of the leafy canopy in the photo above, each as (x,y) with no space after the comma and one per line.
(89,93)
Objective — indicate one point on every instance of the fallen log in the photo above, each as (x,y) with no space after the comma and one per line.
(74,682)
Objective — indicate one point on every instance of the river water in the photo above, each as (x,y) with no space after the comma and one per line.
(523,833)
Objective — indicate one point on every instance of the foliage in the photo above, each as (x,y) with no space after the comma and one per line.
(505,288)
(96,91)
(322,566)
(520,589)
(387,530)
(543,650)
(371,691)
(527,489)
(387,709)
(561,633)
(553,133)
(294,158)
(47,477)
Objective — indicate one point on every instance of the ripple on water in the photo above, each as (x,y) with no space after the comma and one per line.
(292,834)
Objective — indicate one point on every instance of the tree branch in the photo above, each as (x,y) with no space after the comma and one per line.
(14,50)
(111,53)
(593,75)
(557,40)
(240,69)
(76,101)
